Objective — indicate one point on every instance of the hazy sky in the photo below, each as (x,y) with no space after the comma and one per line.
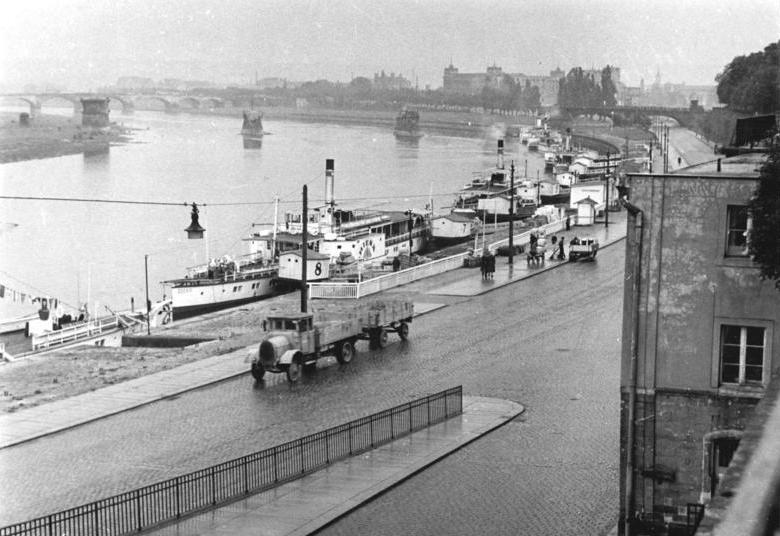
(83,44)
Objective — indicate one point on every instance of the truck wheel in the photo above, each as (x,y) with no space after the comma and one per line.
(381,338)
(257,371)
(403,331)
(345,351)
(294,371)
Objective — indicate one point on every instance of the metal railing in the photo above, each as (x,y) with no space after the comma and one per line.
(74,332)
(167,501)
(402,277)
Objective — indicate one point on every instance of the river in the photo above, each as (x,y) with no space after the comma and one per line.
(94,252)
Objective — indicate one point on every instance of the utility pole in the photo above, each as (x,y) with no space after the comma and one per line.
(511,211)
(606,195)
(304,252)
(148,303)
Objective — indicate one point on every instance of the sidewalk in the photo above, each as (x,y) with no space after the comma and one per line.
(306,505)
(56,416)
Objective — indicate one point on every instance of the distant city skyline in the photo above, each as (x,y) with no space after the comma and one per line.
(82,45)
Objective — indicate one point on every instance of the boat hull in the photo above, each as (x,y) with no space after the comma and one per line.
(197,297)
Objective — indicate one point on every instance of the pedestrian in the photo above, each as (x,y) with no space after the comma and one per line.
(554,242)
(561,255)
(491,265)
(396,264)
(483,263)
(568,224)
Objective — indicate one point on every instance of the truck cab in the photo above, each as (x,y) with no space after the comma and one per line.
(298,328)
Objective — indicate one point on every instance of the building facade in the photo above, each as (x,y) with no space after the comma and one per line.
(390,82)
(700,334)
(457,83)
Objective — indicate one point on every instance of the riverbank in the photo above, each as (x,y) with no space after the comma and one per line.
(48,136)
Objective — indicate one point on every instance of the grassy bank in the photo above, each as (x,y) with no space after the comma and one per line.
(48,136)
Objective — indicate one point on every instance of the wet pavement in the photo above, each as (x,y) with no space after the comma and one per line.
(550,344)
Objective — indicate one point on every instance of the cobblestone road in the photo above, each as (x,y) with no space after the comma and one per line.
(549,343)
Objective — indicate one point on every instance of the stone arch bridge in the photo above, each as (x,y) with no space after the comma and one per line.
(684,116)
(170,103)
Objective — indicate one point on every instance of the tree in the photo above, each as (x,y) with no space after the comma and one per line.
(749,83)
(608,89)
(532,98)
(765,211)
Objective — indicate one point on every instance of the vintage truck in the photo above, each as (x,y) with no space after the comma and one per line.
(294,340)
(583,249)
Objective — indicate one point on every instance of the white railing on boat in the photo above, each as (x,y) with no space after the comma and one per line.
(402,277)
(74,332)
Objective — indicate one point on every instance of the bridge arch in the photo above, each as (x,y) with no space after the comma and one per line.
(31,101)
(168,106)
(189,103)
(74,101)
(212,102)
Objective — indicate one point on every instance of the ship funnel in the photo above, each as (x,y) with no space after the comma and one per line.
(329,199)
(500,163)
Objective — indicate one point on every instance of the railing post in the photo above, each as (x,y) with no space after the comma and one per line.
(95,520)
(246,478)
(392,424)
(410,417)
(138,509)
(428,405)
(178,499)
(300,447)
(276,472)
(213,488)
(49,524)
(446,411)
(371,429)
(349,431)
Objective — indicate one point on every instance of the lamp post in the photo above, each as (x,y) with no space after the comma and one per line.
(511,211)
(148,303)
(411,226)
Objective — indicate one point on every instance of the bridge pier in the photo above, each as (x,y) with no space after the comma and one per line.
(95,112)
(35,109)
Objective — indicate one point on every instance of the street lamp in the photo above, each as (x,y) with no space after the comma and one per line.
(194,231)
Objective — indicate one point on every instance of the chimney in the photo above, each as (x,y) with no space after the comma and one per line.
(329,200)
(500,163)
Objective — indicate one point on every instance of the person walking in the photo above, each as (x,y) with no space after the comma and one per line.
(554,242)
(561,255)
(483,263)
(491,265)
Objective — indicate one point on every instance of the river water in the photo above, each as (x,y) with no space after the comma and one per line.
(94,252)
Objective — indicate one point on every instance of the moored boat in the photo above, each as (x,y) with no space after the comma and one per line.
(252,129)
(457,226)
(223,282)
(407,125)
(367,235)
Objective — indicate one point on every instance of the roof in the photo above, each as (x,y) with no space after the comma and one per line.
(748,165)
(587,201)
(457,217)
(311,255)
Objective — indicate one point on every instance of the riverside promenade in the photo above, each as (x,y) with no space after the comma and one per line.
(346,484)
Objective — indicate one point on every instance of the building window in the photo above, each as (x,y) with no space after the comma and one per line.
(742,354)
(737,231)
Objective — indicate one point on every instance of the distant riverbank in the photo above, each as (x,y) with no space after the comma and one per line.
(49,136)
